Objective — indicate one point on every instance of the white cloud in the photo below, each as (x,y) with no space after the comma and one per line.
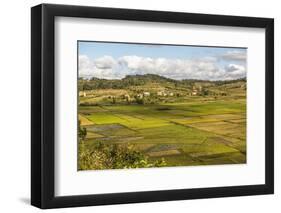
(85,66)
(234,71)
(235,56)
(105,62)
(104,67)
(206,68)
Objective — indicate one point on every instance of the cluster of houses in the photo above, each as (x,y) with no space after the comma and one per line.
(164,93)
(195,91)
(82,94)
(159,93)
(144,94)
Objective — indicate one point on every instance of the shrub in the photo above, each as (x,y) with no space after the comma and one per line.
(113,156)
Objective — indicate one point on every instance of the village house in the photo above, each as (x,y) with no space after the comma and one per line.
(194,91)
(140,96)
(146,93)
(127,97)
(161,93)
(82,94)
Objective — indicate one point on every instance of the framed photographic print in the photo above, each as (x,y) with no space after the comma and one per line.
(139,106)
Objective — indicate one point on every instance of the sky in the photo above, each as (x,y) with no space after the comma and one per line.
(109,60)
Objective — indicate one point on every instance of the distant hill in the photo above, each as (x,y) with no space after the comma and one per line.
(148,80)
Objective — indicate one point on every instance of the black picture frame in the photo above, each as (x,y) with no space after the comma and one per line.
(43,110)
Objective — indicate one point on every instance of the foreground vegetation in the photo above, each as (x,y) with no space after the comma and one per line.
(151,121)
(111,156)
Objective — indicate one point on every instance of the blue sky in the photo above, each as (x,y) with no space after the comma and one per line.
(116,60)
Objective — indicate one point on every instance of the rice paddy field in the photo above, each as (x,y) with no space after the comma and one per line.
(193,131)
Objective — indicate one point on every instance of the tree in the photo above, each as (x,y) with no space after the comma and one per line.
(139,100)
(113,100)
(82,131)
(205,92)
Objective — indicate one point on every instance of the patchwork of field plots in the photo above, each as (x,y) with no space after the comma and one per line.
(201,132)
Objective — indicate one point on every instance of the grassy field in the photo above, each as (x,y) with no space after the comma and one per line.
(195,130)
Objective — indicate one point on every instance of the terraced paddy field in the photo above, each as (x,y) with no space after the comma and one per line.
(191,132)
